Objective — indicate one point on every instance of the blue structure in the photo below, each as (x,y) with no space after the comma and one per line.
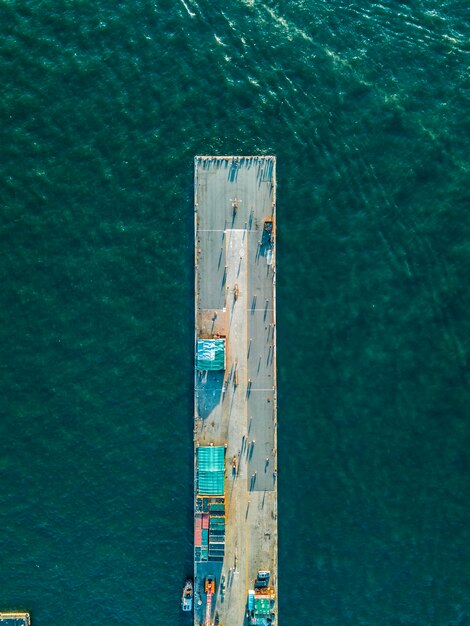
(210,354)
(210,470)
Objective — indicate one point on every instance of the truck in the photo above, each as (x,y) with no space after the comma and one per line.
(262,579)
(267,231)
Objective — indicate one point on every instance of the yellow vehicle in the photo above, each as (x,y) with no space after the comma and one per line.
(209,586)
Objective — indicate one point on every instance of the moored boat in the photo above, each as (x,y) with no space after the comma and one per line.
(187,597)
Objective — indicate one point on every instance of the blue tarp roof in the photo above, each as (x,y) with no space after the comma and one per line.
(210,354)
(210,470)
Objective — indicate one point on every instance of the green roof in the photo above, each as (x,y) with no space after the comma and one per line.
(262,606)
(216,522)
(217,507)
(211,468)
(210,354)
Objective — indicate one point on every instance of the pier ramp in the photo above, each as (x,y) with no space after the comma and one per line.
(13,618)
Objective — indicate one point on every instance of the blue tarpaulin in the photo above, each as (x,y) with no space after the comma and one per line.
(210,354)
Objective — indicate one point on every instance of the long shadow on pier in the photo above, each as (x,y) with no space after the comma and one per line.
(209,392)
(264,245)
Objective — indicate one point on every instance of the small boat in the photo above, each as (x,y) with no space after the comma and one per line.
(187,597)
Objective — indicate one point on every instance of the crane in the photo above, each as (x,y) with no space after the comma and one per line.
(209,588)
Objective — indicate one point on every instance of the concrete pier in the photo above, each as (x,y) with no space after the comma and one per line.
(235,406)
(14,619)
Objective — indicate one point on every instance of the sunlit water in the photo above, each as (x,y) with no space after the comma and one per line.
(103,107)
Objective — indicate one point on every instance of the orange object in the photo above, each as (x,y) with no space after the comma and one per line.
(209,588)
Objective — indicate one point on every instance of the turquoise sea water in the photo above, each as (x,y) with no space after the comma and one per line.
(103,106)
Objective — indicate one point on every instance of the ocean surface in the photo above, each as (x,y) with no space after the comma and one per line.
(103,106)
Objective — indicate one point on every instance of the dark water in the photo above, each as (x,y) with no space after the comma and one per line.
(103,106)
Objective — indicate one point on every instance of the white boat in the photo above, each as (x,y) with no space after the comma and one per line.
(187,597)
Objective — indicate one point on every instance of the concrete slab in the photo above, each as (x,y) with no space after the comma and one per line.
(212,323)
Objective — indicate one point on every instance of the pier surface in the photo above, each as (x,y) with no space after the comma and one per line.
(235,407)
(14,619)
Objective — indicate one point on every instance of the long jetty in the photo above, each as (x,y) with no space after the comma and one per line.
(235,393)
